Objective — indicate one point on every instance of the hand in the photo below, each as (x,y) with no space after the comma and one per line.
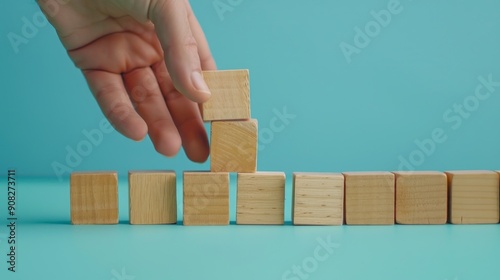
(124,48)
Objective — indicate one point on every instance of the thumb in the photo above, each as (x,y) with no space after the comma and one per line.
(171,22)
(180,48)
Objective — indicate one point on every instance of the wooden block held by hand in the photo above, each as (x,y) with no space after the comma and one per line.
(260,198)
(473,197)
(421,197)
(369,198)
(94,198)
(233,146)
(206,198)
(152,197)
(318,199)
(230,99)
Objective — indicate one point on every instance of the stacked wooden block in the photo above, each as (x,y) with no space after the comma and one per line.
(353,198)
(233,144)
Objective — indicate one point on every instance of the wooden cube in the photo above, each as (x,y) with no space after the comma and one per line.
(233,146)
(152,197)
(421,197)
(369,198)
(318,199)
(230,98)
(473,197)
(94,198)
(206,198)
(260,198)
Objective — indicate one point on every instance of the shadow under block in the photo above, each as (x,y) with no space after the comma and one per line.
(473,197)
(318,199)
(421,197)
(260,198)
(206,198)
(94,198)
(369,198)
(233,146)
(152,197)
(230,99)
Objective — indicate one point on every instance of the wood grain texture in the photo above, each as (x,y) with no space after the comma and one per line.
(369,198)
(152,197)
(318,199)
(473,197)
(230,99)
(206,198)
(260,198)
(233,146)
(94,198)
(421,197)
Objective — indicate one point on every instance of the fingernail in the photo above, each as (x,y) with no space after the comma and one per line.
(199,83)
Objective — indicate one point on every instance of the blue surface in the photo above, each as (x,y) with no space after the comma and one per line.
(361,115)
(50,248)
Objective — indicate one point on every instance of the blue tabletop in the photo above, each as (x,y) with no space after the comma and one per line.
(49,247)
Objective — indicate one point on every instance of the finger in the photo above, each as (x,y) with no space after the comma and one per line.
(180,48)
(186,116)
(110,93)
(206,59)
(146,96)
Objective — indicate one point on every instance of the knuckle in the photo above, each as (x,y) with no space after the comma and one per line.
(139,94)
(172,94)
(143,91)
(106,90)
(187,44)
(118,112)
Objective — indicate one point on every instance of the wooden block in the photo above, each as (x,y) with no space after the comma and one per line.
(230,98)
(206,198)
(421,197)
(261,198)
(473,197)
(233,146)
(94,198)
(318,199)
(152,197)
(369,198)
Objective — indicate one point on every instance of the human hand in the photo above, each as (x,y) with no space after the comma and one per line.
(124,48)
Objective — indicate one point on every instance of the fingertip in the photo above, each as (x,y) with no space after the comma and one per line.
(202,92)
(167,143)
(136,129)
(199,155)
(197,149)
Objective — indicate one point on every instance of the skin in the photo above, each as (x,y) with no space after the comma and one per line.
(142,60)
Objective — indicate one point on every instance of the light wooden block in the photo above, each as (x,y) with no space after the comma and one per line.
(152,197)
(369,198)
(233,146)
(260,198)
(206,198)
(94,198)
(318,199)
(473,197)
(230,99)
(421,197)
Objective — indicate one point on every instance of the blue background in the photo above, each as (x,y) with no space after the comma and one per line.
(364,115)
(361,115)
